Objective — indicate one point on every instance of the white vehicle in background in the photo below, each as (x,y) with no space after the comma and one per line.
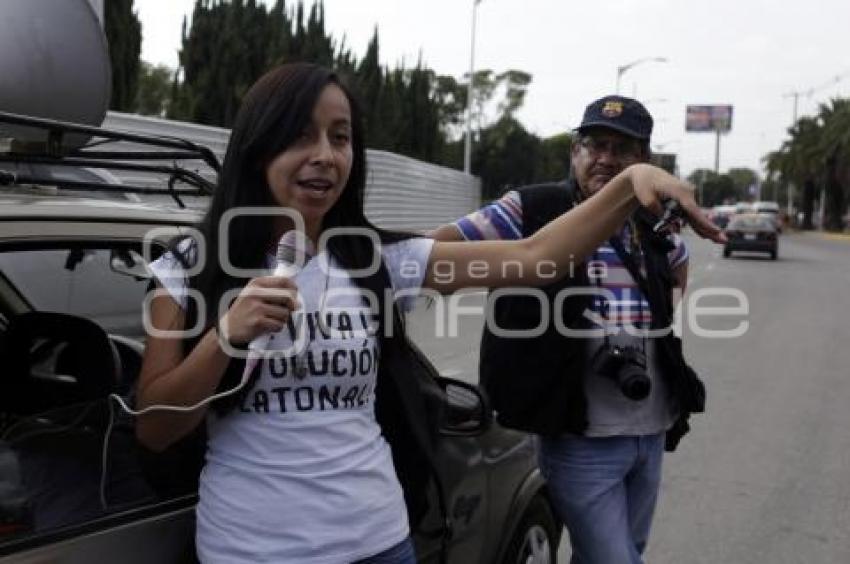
(766,207)
(744,207)
(770,209)
(720,214)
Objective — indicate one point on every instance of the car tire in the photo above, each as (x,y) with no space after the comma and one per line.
(773,255)
(726,252)
(535,540)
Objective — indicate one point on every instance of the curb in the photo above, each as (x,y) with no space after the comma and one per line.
(845,237)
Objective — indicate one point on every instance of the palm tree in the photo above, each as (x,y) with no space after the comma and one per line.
(800,161)
(835,146)
(818,154)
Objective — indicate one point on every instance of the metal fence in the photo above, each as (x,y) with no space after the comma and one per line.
(401,193)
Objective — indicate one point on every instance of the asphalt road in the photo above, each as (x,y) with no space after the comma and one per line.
(764,476)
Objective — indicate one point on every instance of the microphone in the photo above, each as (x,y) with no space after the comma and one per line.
(287,265)
(286,256)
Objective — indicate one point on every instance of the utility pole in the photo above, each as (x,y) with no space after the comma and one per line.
(717,152)
(623,68)
(467,146)
(789,206)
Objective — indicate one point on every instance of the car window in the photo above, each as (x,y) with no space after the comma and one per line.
(751,223)
(434,325)
(78,281)
(66,458)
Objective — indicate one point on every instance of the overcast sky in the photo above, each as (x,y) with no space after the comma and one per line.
(748,53)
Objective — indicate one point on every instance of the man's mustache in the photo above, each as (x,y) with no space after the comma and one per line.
(609,171)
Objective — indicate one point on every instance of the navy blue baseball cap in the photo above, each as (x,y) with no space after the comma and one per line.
(626,115)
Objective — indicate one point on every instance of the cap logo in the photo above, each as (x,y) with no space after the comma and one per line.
(612,109)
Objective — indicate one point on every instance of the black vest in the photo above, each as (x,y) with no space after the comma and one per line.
(536,384)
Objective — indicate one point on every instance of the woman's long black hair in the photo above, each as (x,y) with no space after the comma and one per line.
(274,112)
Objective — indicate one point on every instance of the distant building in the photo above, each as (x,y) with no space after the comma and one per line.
(667,161)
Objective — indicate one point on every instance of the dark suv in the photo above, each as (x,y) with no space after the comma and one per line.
(74,484)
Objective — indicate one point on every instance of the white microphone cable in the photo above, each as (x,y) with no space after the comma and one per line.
(287,265)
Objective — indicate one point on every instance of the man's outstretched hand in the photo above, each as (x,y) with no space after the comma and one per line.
(652,185)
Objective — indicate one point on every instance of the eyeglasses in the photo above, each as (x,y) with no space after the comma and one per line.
(618,148)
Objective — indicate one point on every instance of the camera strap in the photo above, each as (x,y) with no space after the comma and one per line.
(603,309)
(631,264)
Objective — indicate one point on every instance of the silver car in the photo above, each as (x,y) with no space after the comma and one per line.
(75,486)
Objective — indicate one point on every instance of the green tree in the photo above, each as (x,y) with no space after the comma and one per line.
(405,116)
(742,180)
(154,91)
(773,190)
(314,44)
(798,161)
(817,156)
(483,87)
(124,36)
(413,111)
(450,96)
(390,113)
(515,83)
(278,34)
(554,158)
(229,44)
(835,144)
(423,116)
(667,161)
(714,189)
(220,58)
(369,83)
(503,93)
(506,156)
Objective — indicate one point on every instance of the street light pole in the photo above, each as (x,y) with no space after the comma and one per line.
(623,68)
(467,146)
(660,146)
(717,152)
(789,205)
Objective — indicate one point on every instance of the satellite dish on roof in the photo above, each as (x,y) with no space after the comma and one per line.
(54,64)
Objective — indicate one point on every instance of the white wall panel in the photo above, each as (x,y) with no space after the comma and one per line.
(401,193)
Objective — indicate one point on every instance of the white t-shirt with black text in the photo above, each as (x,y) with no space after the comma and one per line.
(299,471)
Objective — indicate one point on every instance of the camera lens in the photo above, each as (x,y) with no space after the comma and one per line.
(634,383)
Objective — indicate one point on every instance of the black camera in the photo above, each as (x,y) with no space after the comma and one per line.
(626,365)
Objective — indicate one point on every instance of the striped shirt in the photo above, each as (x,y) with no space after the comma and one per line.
(502,219)
(609,412)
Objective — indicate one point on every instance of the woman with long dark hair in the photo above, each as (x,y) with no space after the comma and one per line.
(297,466)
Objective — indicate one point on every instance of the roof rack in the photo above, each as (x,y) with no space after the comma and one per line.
(53,151)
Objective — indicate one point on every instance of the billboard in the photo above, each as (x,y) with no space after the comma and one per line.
(708,118)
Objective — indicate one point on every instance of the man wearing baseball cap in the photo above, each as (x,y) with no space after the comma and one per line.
(613,134)
(608,388)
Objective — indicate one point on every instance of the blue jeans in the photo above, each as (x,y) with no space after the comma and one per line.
(402,553)
(604,490)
